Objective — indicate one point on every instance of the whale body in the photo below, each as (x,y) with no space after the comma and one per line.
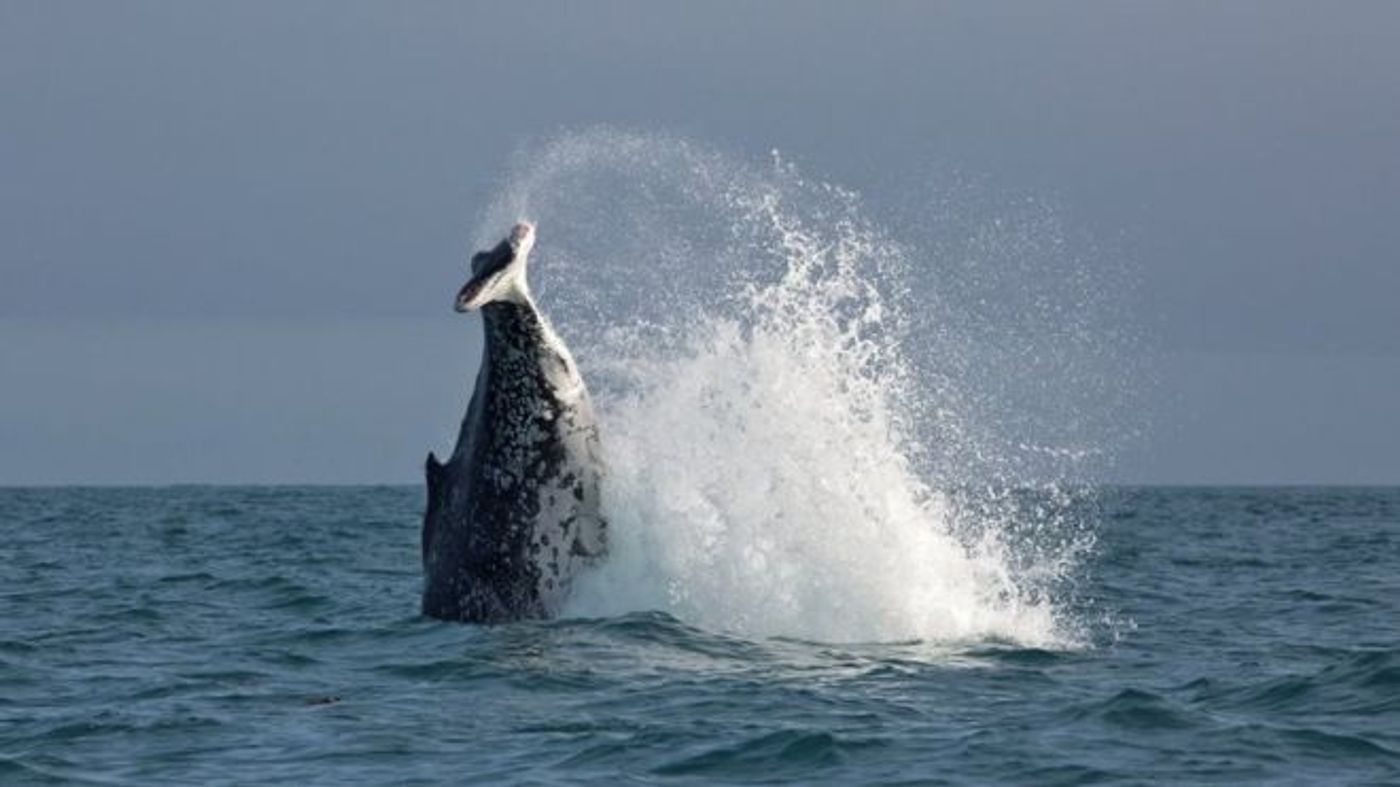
(513,514)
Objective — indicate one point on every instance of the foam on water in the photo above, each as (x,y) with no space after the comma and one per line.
(792,435)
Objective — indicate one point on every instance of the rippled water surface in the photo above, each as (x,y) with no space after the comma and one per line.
(241,635)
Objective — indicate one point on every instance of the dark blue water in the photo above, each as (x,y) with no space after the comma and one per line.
(243,635)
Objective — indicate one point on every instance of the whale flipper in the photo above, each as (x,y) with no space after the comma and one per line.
(435,474)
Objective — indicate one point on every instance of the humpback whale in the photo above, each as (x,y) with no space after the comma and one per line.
(513,514)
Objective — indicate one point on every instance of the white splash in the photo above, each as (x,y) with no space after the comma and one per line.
(778,460)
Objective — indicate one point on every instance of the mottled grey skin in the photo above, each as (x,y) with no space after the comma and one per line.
(514,513)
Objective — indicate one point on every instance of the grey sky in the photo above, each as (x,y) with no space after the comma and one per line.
(228,231)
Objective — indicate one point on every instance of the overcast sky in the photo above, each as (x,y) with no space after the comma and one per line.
(226,230)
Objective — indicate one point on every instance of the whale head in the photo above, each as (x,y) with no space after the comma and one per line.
(499,274)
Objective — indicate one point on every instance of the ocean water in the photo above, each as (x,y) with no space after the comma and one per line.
(225,635)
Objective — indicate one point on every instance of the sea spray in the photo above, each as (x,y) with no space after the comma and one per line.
(793,437)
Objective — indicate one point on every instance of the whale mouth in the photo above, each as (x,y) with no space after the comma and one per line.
(489,268)
(473,293)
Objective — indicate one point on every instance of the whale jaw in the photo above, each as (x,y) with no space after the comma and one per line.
(499,274)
